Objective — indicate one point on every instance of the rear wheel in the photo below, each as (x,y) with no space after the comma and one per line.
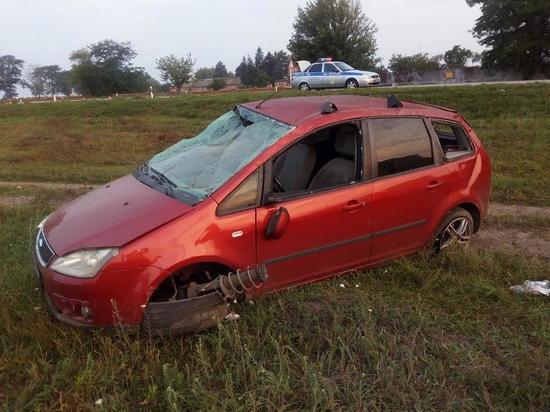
(304,86)
(352,84)
(456,229)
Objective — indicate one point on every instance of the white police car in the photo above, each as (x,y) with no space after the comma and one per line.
(326,73)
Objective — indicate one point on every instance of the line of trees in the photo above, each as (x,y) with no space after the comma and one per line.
(516,35)
(264,69)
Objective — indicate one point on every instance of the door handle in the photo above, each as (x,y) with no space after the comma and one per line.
(434,184)
(353,205)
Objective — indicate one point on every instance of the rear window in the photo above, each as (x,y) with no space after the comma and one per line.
(453,139)
(315,68)
(401,144)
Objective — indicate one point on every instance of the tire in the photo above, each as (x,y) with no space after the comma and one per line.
(455,229)
(304,87)
(352,84)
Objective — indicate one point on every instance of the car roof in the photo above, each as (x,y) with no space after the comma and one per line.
(297,110)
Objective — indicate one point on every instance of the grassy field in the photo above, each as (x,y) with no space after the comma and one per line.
(440,333)
(96,141)
(425,333)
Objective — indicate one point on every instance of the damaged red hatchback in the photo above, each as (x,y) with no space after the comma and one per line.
(270,195)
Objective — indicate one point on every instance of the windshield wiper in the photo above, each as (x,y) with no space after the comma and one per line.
(168,184)
(245,122)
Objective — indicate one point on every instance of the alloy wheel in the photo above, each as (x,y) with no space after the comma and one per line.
(458,231)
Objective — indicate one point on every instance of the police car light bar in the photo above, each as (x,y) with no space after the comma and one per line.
(324,59)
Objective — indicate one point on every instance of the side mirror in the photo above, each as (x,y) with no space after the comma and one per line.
(277,224)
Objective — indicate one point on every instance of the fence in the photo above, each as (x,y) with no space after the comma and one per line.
(449,76)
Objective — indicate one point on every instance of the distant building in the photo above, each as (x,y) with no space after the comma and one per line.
(203,85)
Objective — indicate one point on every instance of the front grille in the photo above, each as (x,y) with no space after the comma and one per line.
(43,251)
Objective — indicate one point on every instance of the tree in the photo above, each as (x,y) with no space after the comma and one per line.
(105,68)
(204,73)
(258,58)
(35,82)
(65,82)
(457,57)
(416,62)
(176,70)
(10,75)
(43,80)
(517,34)
(220,70)
(51,75)
(335,28)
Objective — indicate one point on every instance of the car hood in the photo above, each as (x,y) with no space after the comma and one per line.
(110,216)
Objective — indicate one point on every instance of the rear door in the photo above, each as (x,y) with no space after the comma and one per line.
(332,76)
(315,75)
(412,185)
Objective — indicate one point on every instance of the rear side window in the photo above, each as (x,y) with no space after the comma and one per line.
(453,139)
(315,68)
(401,144)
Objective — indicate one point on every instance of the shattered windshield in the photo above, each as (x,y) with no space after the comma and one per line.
(193,168)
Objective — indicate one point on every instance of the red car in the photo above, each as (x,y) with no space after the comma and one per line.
(270,195)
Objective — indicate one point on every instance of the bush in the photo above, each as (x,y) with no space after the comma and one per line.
(217,83)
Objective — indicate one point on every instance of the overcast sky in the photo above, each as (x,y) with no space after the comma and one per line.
(44,32)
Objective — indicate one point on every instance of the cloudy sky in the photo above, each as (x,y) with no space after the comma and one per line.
(45,31)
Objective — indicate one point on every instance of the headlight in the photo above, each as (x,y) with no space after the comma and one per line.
(43,222)
(84,263)
(366,76)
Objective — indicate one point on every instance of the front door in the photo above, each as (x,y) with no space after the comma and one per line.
(318,181)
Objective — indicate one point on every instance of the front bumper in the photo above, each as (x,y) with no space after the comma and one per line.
(113,298)
(363,81)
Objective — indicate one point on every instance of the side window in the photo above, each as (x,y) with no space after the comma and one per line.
(401,144)
(325,159)
(453,139)
(245,196)
(330,68)
(315,68)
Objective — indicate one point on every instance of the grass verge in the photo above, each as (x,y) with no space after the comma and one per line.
(96,141)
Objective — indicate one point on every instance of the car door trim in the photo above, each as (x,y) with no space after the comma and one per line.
(341,243)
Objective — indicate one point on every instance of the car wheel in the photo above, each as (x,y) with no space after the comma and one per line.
(456,229)
(352,84)
(304,86)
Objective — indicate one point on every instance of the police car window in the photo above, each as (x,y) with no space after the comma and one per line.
(315,68)
(344,67)
(330,68)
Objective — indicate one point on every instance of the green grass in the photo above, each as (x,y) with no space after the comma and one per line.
(96,141)
(426,333)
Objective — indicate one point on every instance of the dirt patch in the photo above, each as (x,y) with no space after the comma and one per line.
(514,241)
(499,209)
(15,201)
(48,185)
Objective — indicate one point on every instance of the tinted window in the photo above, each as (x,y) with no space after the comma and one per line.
(315,68)
(331,68)
(243,197)
(453,139)
(401,145)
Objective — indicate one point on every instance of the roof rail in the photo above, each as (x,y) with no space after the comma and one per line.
(435,106)
(393,101)
(328,107)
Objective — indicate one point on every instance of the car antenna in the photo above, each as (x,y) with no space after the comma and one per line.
(393,101)
(266,99)
(328,107)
